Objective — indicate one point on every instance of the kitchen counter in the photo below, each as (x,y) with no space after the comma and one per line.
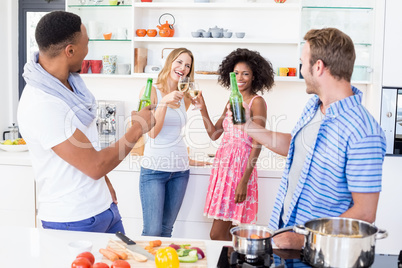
(40,248)
(130,163)
(44,248)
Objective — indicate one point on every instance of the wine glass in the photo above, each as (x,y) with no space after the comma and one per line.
(193,91)
(183,84)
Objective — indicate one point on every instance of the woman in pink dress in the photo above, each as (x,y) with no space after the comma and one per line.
(232,196)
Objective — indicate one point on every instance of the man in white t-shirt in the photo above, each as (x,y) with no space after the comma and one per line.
(57,118)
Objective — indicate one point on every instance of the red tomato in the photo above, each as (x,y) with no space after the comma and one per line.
(100,265)
(81,263)
(120,264)
(87,255)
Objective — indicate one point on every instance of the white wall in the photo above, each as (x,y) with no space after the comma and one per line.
(9,63)
(285,101)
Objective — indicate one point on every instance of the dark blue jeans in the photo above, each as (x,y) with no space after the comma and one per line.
(161,195)
(108,221)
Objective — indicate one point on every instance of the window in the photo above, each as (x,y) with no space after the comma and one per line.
(29,13)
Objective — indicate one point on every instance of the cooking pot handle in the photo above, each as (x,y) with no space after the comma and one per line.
(282,230)
(381,234)
(300,229)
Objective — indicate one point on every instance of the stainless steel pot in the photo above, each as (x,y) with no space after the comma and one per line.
(252,248)
(339,242)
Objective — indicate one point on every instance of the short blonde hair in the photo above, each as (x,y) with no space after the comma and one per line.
(164,74)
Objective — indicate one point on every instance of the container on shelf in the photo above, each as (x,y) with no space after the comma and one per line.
(361,73)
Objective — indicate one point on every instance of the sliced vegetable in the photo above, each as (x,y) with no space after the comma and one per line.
(254,236)
(200,253)
(176,247)
(185,246)
(155,243)
(190,257)
(181,252)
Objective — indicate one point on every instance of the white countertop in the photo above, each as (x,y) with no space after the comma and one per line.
(129,164)
(40,248)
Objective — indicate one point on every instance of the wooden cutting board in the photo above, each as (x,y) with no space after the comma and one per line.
(150,263)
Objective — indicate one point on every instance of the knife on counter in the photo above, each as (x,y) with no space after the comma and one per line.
(131,245)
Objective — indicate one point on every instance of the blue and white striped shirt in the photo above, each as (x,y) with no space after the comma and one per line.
(346,157)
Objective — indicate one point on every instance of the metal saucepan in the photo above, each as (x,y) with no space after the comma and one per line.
(254,247)
(339,242)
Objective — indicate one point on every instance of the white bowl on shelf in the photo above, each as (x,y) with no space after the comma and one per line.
(240,34)
(14,148)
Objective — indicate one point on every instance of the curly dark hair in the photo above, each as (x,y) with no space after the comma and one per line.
(262,69)
(56,30)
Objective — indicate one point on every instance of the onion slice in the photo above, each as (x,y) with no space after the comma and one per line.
(200,253)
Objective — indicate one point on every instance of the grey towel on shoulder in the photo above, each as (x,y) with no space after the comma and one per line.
(81,101)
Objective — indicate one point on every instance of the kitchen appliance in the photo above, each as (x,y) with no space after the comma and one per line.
(391,118)
(339,242)
(229,258)
(153,68)
(131,245)
(11,133)
(110,122)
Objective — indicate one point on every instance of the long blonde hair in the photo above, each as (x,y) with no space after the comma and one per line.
(164,74)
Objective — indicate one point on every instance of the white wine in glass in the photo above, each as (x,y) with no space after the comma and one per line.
(183,84)
(193,91)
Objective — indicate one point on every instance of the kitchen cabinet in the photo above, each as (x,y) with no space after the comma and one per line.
(190,223)
(17,193)
(274,34)
(392,44)
(355,18)
(104,18)
(276,30)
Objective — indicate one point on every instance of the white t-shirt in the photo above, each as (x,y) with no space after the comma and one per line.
(168,151)
(304,142)
(64,193)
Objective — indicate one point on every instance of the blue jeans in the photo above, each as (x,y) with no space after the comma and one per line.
(108,221)
(161,195)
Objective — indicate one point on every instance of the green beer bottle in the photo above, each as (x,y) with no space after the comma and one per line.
(146,97)
(236,101)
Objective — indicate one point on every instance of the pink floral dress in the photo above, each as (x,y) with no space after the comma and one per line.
(228,169)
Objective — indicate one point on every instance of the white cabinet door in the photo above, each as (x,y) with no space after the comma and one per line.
(17,196)
(126,185)
(392,44)
(389,214)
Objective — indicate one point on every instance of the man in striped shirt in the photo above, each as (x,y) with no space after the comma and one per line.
(336,150)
